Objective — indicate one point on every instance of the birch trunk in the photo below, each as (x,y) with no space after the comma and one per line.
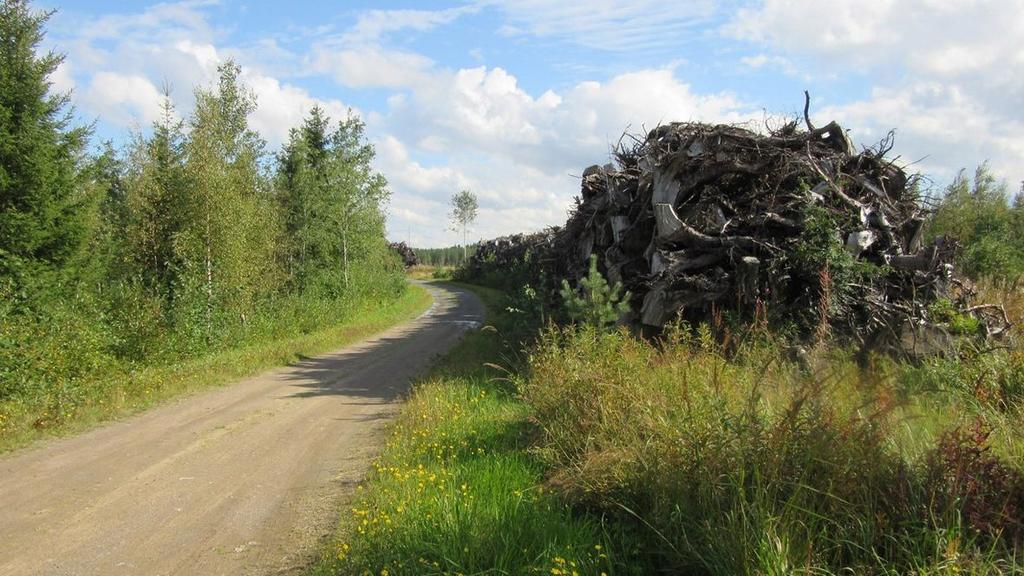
(344,255)
(209,281)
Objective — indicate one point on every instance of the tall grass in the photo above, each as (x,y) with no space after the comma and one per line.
(754,465)
(599,452)
(457,491)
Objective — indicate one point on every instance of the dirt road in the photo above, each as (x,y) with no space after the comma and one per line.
(238,480)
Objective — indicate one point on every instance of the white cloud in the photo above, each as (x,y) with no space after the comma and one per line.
(372,25)
(609,25)
(521,154)
(394,160)
(371,66)
(765,61)
(357,58)
(170,20)
(281,107)
(125,57)
(62,80)
(939,125)
(947,74)
(127,100)
(205,54)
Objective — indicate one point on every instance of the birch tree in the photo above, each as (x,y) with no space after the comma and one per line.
(227,240)
(332,201)
(463,214)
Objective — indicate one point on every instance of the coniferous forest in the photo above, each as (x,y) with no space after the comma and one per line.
(191,238)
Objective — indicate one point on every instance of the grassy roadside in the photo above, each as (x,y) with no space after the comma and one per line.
(423,272)
(606,454)
(133,391)
(456,491)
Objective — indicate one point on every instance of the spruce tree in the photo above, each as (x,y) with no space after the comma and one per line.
(40,200)
(595,302)
(156,191)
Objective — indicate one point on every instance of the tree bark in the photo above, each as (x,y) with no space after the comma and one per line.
(209,281)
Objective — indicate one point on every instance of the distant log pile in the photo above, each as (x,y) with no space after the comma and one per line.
(512,258)
(794,224)
(407,254)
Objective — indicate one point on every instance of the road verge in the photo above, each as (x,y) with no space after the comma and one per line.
(131,392)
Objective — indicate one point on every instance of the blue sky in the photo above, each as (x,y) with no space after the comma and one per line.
(514,98)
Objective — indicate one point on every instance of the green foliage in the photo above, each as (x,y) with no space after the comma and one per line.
(943,311)
(595,303)
(979,214)
(618,456)
(756,466)
(526,310)
(992,378)
(179,246)
(226,241)
(463,214)
(41,222)
(332,202)
(152,209)
(824,269)
(444,257)
(455,491)
(60,389)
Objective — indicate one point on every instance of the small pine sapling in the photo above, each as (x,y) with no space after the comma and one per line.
(595,302)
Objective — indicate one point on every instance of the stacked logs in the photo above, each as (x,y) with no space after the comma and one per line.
(696,219)
(407,254)
(505,261)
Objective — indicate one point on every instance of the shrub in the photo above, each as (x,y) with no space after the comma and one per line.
(978,213)
(753,465)
(966,479)
(595,303)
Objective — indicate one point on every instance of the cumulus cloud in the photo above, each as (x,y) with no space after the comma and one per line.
(124,99)
(62,80)
(371,66)
(123,58)
(938,127)
(522,154)
(485,110)
(945,74)
(281,107)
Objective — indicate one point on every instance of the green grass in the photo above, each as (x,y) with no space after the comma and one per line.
(425,272)
(130,391)
(456,490)
(754,465)
(598,452)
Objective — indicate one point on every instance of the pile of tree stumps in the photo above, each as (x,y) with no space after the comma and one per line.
(407,254)
(794,225)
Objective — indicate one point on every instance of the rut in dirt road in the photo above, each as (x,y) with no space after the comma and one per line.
(239,480)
